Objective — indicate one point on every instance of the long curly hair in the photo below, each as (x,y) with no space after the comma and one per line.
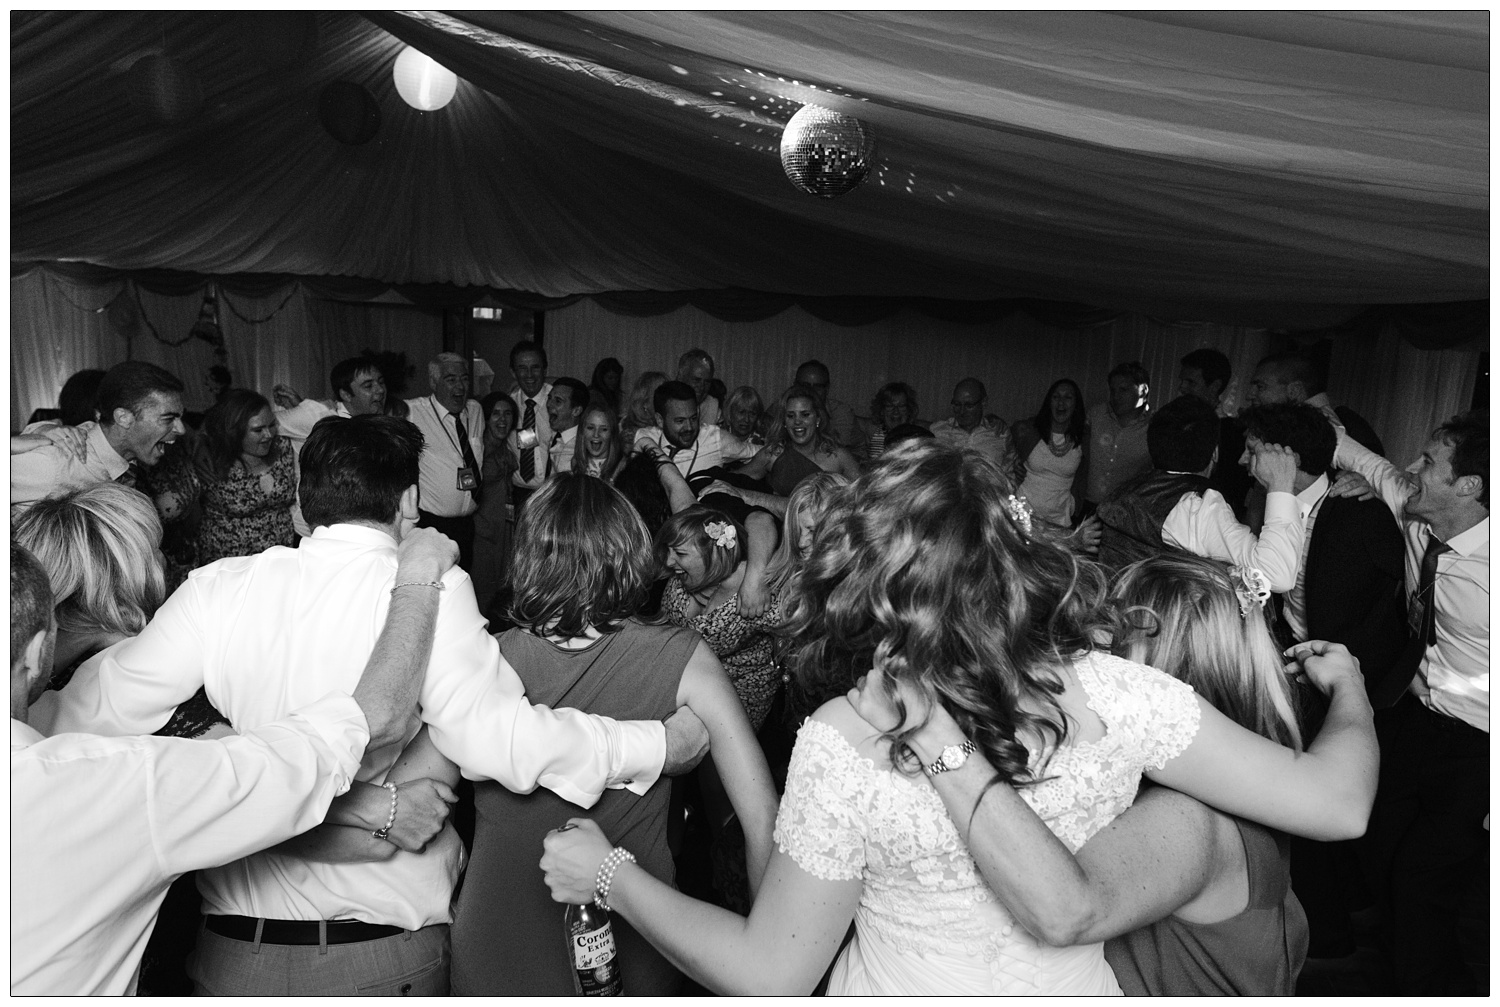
(919,567)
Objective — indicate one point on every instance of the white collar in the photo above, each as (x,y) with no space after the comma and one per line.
(1308,499)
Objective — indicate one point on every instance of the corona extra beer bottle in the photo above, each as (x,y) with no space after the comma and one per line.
(591,950)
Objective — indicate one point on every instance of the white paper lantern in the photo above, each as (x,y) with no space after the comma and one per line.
(422,82)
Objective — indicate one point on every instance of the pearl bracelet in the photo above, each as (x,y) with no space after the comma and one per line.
(437,584)
(385,831)
(606,876)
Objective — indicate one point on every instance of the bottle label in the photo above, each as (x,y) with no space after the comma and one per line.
(594,962)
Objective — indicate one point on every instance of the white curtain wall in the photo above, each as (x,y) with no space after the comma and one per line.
(58,327)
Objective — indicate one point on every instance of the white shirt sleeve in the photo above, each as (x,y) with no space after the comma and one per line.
(136,685)
(476,707)
(1378,472)
(298,421)
(1206,526)
(212,802)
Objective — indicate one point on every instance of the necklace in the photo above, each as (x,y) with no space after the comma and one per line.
(1057,439)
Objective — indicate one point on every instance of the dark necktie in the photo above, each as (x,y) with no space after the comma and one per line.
(528,456)
(467,451)
(1423,629)
(556,440)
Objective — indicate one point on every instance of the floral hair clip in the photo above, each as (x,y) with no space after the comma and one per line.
(722,533)
(1252,588)
(1020,511)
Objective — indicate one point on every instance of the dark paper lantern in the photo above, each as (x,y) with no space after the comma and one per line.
(826,153)
(349,112)
(164,89)
(278,40)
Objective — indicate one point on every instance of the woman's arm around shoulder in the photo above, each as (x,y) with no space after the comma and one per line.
(706,690)
(1323,793)
(760,465)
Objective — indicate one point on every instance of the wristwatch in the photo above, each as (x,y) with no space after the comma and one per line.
(953,756)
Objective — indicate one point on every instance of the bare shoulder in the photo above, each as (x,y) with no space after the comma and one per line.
(859,733)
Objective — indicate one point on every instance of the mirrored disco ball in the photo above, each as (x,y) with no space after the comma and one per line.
(826,153)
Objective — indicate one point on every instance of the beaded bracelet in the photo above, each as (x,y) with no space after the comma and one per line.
(437,584)
(606,876)
(385,831)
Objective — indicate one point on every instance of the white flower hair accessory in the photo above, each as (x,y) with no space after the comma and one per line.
(722,533)
(1020,511)
(1252,588)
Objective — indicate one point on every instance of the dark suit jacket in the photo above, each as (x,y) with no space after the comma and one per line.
(1355,583)
(1356,426)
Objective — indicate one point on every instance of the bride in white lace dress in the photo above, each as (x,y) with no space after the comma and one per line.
(921,570)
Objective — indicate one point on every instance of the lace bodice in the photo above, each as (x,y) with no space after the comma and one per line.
(843,817)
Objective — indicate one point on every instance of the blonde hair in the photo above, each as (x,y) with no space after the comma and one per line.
(99,546)
(812,497)
(1181,613)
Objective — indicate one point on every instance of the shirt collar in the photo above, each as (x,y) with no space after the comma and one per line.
(1319,401)
(1308,498)
(1470,540)
(23,735)
(358,534)
(101,448)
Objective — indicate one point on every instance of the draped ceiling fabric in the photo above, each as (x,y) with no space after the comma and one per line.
(1253,168)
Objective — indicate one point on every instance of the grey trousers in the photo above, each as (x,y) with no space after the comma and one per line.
(413,963)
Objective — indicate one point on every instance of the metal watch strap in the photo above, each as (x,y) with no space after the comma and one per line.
(941,765)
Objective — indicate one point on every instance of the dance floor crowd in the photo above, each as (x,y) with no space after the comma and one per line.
(348,695)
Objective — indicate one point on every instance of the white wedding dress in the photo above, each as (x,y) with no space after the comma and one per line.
(927,923)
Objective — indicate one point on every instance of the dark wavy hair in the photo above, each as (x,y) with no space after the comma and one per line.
(224,426)
(1078,426)
(583,559)
(920,568)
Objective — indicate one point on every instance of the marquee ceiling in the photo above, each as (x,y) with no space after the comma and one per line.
(1255,166)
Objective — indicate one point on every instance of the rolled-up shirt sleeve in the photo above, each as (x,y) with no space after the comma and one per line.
(476,707)
(1206,526)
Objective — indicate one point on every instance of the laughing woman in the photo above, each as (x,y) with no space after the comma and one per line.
(799,445)
(250,479)
(601,450)
(1051,447)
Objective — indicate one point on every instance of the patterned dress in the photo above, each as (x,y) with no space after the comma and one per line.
(742,645)
(927,923)
(245,514)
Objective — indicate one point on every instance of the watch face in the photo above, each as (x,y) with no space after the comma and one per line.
(955,756)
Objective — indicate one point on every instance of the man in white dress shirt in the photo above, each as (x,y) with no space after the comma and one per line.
(100,827)
(679,435)
(140,413)
(1172,504)
(1428,840)
(533,434)
(453,426)
(565,405)
(268,633)
(358,390)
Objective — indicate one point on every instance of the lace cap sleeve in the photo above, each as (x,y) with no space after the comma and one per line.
(1158,711)
(820,821)
(1174,713)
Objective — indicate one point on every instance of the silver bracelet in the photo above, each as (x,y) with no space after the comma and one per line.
(436,584)
(385,831)
(606,875)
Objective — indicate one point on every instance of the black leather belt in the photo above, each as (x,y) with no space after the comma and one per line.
(242,928)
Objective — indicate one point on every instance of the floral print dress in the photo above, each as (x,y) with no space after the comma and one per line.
(743,646)
(245,514)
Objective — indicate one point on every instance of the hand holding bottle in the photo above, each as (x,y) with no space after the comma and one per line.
(570,863)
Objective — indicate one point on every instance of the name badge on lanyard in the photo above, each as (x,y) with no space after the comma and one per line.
(466,479)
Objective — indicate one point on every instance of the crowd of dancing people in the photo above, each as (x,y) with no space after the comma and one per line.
(1110,699)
